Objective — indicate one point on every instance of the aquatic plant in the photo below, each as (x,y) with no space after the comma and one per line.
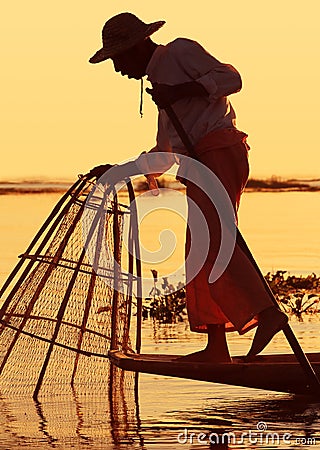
(296,295)
(167,305)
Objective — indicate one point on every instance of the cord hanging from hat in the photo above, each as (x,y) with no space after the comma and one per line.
(141,98)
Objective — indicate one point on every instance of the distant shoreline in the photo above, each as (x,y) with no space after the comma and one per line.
(8,188)
(273,184)
(276,184)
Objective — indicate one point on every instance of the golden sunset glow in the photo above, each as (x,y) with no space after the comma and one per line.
(61,116)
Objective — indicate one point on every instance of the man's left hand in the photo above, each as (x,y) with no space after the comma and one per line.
(163,94)
(98,171)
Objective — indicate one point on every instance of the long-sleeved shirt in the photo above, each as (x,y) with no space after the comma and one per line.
(181,61)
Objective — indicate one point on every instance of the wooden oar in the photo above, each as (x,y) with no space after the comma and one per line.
(292,340)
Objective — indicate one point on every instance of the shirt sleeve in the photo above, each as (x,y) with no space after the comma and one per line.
(155,163)
(219,79)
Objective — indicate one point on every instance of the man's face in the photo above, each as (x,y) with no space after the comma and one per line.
(132,62)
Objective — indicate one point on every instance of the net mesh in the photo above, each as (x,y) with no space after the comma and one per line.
(57,322)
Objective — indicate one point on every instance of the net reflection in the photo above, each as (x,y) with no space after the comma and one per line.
(124,409)
(43,423)
(98,415)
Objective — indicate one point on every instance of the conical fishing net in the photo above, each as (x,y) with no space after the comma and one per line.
(61,310)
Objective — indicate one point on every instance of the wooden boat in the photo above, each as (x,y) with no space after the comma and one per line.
(281,373)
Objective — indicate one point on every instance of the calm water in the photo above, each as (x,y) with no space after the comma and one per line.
(282,230)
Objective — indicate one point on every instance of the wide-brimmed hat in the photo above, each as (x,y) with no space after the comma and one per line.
(122,32)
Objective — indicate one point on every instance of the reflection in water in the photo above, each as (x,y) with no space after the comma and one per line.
(109,418)
(104,410)
(104,416)
(43,423)
(80,416)
(296,415)
(122,414)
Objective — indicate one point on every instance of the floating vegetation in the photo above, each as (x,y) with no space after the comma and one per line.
(167,305)
(296,296)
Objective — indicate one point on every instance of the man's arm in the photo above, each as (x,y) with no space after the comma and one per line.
(208,76)
(164,94)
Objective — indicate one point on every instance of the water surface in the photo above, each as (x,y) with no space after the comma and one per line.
(283,232)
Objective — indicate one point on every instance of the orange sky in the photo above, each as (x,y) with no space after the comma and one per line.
(60,115)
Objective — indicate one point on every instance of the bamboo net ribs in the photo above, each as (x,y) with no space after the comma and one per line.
(63,307)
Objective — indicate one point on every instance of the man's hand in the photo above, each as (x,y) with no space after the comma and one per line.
(115,173)
(98,171)
(163,94)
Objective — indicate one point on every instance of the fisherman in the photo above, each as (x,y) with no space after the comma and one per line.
(183,74)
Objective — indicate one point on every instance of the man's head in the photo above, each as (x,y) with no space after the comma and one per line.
(133,62)
(126,41)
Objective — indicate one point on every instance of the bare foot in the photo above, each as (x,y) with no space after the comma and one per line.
(216,350)
(206,356)
(271,321)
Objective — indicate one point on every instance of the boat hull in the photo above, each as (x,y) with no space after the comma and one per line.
(281,373)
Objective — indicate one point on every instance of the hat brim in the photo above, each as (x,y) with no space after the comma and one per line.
(105,53)
(99,56)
